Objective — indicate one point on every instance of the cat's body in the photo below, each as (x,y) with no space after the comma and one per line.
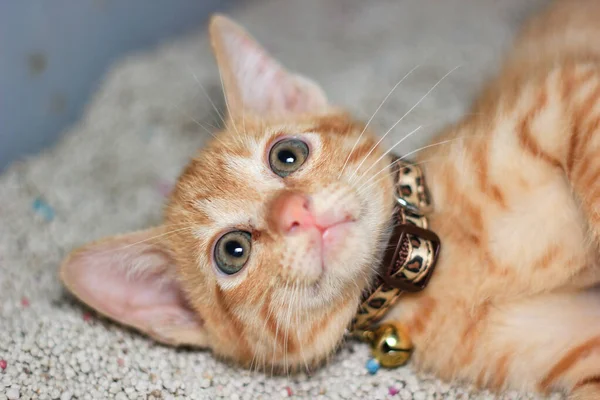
(516,208)
(515,192)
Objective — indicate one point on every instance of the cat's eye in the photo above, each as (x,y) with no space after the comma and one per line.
(232,251)
(287,156)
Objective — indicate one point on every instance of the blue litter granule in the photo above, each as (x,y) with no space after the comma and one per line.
(44,209)
(373,366)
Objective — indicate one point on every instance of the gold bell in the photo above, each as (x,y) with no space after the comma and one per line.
(390,344)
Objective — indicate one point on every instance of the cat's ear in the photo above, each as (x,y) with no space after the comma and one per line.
(131,279)
(256,83)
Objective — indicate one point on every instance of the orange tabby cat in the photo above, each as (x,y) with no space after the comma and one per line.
(269,239)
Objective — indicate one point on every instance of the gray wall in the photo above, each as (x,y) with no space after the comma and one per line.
(53,53)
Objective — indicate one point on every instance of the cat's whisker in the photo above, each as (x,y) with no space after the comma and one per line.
(402,118)
(216,128)
(390,149)
(421,126)
(298,327)
(373,116)
(177,106)
(205,129)
(413,152)
(260,339)
(206,95)
(277,323)
(211,103)
(227,105)
(290,311)
(111,250)
(285,335)
(243,120)
(264,330)
(379,179)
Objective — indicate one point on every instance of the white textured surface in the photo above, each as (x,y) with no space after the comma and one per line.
(106,176)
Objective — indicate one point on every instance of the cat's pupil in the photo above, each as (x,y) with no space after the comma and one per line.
(234,248)
(286,157)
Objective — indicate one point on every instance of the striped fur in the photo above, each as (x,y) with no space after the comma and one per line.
(517,206)
(513,303)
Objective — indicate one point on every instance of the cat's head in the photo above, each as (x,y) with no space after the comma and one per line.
(270,235)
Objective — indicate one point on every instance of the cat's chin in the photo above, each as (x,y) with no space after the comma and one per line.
(341,253)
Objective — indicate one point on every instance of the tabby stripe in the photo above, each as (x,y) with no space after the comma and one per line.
(471,332)
(480,159)
(584,165)
(568,361)
(552,252)
(526,139)
(319,325)
(497,195)
(480,153)
(592,380)
(592,179)
(421,318)
(501,371)
(582,113)
(271,323)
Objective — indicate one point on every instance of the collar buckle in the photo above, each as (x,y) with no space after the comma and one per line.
(411,265)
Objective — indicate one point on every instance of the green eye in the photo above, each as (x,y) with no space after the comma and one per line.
(232,251)
(287,156)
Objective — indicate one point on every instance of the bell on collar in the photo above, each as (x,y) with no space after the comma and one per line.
(390,344)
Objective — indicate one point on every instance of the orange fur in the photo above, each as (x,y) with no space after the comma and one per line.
(512,303)
(535,141)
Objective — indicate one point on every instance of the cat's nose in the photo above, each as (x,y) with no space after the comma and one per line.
(291,212)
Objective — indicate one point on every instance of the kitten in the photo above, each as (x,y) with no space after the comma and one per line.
(270,237)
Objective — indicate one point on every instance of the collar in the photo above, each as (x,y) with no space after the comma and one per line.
(407,263)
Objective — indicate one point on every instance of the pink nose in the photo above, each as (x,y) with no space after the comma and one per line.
(291,211)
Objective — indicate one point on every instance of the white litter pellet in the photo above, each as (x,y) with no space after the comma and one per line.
(66,396)
(420,395)
(13,394)
(120,396)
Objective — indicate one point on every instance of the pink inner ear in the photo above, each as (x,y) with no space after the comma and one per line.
(262,85)
(131,283)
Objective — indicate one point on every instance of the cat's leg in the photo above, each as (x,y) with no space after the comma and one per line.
(547,343)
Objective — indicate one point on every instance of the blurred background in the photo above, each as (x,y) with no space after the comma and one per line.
(54,53)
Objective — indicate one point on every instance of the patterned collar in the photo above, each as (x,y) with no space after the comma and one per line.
(407,265)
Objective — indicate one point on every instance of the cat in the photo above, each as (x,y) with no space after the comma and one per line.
(276,228)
